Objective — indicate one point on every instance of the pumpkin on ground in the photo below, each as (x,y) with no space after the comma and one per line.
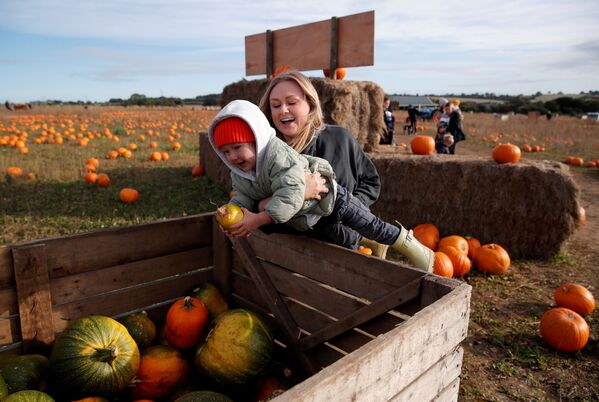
(212,299)
(492,259)
(162,369)
(238,348)
(460,261)
(575,297)
(198,170)
(456,241)
(28,396)
(102,180)
(24,372)
(473,245)
(427,234)
(564,329)
(95,355)
(204,396)
(422,145)
(141,328)
(442,265)
(92,399)
(506,153)
(128,195)
(185,321)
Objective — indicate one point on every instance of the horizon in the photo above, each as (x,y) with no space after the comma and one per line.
(97,51)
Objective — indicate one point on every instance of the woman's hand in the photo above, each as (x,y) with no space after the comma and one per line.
(315,185)
(250,223)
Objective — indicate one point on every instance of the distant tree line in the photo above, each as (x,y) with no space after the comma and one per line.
(142,100)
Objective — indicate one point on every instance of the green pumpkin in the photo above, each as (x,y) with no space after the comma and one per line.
(28,396)
(24,372)
(95,355)
(238,348)
(203,396)
(212,298)
(3,388)
(141,328)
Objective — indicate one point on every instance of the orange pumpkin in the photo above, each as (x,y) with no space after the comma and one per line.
(365,250)
(493,259)
(91,177)
(564,329)
(582,216)
(456,241)
(198,170)
(339,72)
(102,180)
(128,195)
(14,171)
(93,161)
(155,156)
(506,153)
(460,261)
(575,297)
(185,321)
(279,70)
(473,245)
(423,145)
(442,265)
(427,234)
(162,369)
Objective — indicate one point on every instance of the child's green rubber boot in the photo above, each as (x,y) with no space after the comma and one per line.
(419,255)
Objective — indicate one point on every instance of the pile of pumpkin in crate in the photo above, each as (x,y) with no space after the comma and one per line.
(203,352)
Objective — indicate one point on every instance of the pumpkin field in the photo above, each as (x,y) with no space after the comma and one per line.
(72,169)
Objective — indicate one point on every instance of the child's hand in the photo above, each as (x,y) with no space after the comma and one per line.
(250,223)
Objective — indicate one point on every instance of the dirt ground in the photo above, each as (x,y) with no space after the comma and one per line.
(505,357)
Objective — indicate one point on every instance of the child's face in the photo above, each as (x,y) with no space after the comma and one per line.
(289,108)
(241,155)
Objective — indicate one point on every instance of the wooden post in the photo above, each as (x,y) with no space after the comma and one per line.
(269,54)
(33,295)
(223,261)
(334,47)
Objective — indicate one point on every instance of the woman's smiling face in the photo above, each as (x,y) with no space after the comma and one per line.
(289,108)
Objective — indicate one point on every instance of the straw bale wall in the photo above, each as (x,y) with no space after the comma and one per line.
(530,208)
(355,105)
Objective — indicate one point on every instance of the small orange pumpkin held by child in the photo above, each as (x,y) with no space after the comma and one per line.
(102,180)
(422,145)
(506,153)
(185,321)
(575,297)
(493,259)
(564,329)
(128,195)
(198,170)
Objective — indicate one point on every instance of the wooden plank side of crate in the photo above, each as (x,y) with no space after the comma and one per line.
(10,330)
(7,274)
(435,380)
(8,302)
(131,298)
(78,286)
(33,296)
(387,364)
(450,393)
(109,247)
(352,272)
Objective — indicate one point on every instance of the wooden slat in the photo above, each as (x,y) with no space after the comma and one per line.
(435,380)
(8,302)
(222,261)
(387,364)
(109,247)
(7,274)
(352,272)
(308,47)
(10,330)
(129,299)
(74,287)
(450,393)
(33,296)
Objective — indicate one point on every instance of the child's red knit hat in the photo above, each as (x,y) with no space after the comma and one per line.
(231,130)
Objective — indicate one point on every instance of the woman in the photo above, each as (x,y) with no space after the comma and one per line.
(454,126)
(291,104)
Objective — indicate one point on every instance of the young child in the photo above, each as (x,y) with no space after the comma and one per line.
(264,166)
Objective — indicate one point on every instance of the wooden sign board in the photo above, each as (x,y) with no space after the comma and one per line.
(309,46)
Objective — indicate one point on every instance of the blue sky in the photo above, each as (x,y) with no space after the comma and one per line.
(94,50)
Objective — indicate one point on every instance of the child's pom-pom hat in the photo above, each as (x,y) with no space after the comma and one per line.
(231,130)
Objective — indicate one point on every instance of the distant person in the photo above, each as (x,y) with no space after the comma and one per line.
(549,115)
(389,119)
(412,117)
(264,167)
(443,139)
(454,126)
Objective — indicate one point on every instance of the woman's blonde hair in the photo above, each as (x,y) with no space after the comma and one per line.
(315,119)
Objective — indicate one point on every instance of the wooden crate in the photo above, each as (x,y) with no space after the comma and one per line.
(407,351)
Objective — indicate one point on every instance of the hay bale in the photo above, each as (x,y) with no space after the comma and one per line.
(355,105)
(530,208)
